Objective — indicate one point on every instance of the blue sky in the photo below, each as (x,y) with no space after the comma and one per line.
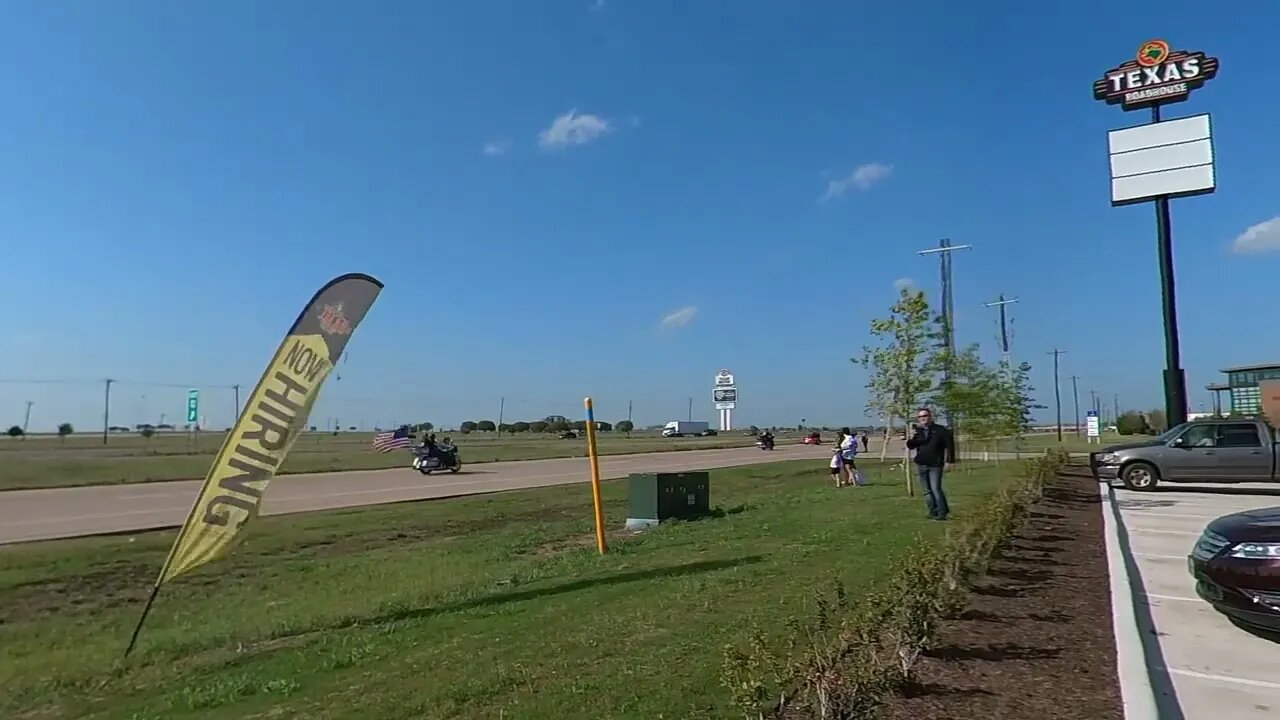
(539,184)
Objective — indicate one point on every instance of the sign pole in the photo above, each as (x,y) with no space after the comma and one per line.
(595,475)
(1175,380)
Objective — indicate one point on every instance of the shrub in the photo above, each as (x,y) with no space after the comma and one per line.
(538,427)
(15,431)
(625,426)
(848,657)
(1132,423)
(486,426)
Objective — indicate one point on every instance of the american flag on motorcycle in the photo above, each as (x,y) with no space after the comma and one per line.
(388,441)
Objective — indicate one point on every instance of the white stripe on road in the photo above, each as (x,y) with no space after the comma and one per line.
(1164,532)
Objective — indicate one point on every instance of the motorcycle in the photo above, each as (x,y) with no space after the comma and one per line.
(765,443)
(427,459)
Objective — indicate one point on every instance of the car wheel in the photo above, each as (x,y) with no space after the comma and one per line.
(1140,476)
(456,468)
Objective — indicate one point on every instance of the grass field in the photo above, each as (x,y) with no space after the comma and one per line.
(48,461)
(1070,442)
(484,607)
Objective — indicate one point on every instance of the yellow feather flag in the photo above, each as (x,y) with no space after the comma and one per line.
(272,419)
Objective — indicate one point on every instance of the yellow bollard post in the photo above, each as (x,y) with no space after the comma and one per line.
(595,475)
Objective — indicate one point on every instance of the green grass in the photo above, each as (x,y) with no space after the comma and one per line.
(493,606)
(45,462)
(1070,442)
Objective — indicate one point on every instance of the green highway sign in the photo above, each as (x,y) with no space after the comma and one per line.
(193,405)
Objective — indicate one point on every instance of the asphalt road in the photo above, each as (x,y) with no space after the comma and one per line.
(27,515)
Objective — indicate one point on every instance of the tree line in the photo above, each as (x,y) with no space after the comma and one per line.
(536,427)
(909,365)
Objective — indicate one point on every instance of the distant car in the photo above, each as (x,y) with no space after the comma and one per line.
(708,433)
(813,438)
(568,435)
(1236,566)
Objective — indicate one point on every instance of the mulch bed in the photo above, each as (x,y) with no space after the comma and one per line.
(1035,642)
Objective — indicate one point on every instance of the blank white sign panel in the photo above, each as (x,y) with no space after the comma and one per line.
(1173,158)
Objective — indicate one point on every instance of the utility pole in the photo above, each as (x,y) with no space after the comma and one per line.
(236,417)
(1002,303)
(944,250)
(502,408)
(26,420)
(106,412)
(1075,393)
(628,411)
(1057,393)
(690,409)
(1116,400)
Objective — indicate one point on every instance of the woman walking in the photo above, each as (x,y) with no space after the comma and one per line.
(848,456)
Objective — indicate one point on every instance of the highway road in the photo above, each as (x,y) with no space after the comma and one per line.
(28,515)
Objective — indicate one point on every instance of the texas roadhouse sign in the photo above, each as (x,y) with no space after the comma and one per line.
(1158,75)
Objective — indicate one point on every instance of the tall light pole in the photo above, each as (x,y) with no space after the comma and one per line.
(1002,303)
(26,420)
(106,411)
(1057,392)
(1075,393)
(944,250)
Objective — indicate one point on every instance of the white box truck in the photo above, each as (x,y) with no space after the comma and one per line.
(680,428)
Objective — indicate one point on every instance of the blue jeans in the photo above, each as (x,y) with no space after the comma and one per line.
(931,484)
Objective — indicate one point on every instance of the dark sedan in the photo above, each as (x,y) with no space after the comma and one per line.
(1236,565)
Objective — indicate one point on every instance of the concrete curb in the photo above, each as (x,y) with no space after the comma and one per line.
(1136,692)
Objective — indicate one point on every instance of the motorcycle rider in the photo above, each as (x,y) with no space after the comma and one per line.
(766,439)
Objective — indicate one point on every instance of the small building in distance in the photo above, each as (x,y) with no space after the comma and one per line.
(1242,386)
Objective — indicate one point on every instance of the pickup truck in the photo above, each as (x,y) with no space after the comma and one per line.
(1204,451)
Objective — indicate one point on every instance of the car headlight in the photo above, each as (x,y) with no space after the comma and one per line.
(1108,459)
(1256,551)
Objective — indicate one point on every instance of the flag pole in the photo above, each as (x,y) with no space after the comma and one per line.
(133,640)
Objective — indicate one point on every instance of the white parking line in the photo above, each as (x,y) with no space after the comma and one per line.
(1225,679)
(1172,597)
(1158,514)
(1164,532)
(1159,556)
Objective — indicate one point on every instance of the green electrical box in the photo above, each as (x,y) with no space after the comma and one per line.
(654,497)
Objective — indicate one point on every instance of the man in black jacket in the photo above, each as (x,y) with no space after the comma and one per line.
(934,452)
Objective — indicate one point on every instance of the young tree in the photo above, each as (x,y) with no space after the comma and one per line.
(898,374)
(974,394)
(625,426)
(467,427)
(486,426)
(1132,422)
(1157,421)
(15,431)
(65,429)
(1017,399)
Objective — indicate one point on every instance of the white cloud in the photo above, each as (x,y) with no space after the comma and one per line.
(493,148)
(862,178)
(1261,238)
(904,284)
(680,317)
(573,128)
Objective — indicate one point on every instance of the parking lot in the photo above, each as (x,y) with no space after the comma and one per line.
(1200,665)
